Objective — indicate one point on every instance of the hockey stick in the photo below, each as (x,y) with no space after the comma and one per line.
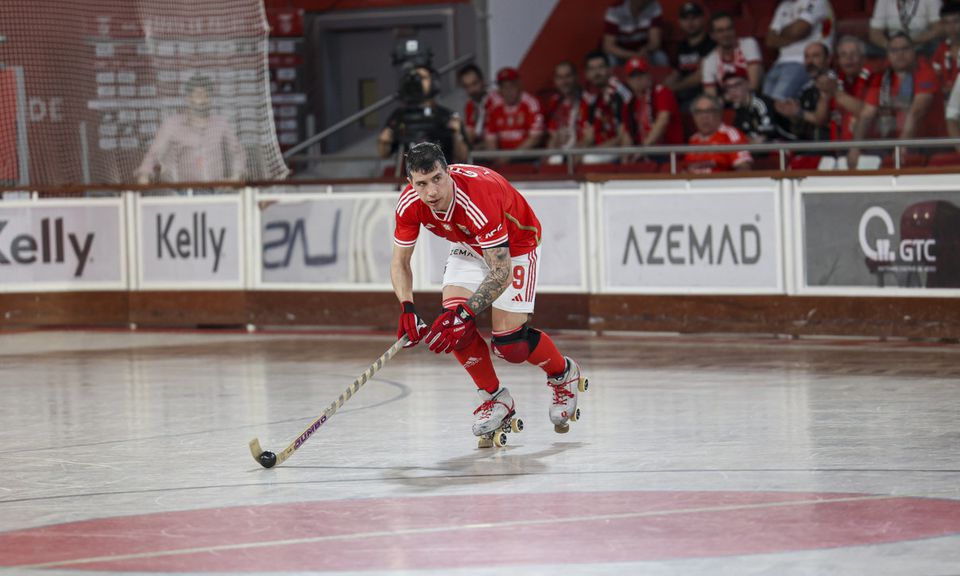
(268,459)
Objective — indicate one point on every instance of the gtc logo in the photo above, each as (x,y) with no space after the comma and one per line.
(910,250)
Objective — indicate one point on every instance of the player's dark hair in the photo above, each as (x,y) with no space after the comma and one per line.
(899,34)
(594,55)
(424,157)
(471,67)
(568,63)
(949,8)
(824,47)
(719,16)
(198,81)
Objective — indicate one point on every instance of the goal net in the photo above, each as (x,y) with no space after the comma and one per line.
(101,91)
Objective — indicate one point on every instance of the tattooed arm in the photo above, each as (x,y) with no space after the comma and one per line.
(498,259)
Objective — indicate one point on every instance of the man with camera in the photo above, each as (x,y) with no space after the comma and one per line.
(421,119)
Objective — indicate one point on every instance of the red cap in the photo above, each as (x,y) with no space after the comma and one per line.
(506,74)
(635,65)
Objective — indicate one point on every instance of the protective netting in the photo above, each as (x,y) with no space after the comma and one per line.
(101,91)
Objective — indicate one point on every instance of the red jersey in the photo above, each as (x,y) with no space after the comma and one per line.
(640,113)
(885,94)
(486,211)
(475,114)
(706,162)
(512,125)
(567,118)
(945,65)
(632,32)
(842,121)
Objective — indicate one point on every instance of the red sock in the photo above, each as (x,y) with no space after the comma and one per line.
(475,358)
(546,356)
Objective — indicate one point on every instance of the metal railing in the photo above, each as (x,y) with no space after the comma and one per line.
(292,152)
(572,156)
(781,148)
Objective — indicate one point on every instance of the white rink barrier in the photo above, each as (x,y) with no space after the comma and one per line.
(847,236)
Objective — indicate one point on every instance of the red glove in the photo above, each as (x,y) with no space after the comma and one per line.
(410,325)
(451,329)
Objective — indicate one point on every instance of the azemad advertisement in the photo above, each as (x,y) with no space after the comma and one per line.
(691,241)
(882,240)
(62,245)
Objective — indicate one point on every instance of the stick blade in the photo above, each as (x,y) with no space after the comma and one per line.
(255,449)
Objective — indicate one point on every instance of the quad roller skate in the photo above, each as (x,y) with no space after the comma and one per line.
(565,387)
(495,418)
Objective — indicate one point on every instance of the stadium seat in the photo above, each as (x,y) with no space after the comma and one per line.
(554,169)
(745,25)
(517,168)
(389,171)
(665,167)
(849,9)
(732,7)
(944,159)
(602,168)
(859,27)
(907,160)
(768,162)
(642,167)
(805,163)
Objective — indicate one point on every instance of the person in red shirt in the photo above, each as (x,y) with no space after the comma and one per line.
(848,89)
(900,99)
(493,263)
(515,123)
(633,29)
(566,111)
(708,116)
(480,100)
(945,58)
(652,116)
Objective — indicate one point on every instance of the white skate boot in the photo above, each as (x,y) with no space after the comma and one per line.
(565,387)
(495,417)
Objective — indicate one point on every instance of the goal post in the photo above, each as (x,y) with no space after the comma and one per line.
(120,92)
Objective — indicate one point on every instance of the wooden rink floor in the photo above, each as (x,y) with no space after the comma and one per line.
(126,453)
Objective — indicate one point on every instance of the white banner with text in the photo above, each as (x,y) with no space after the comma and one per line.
(690,241)
(191,242)
(62,245)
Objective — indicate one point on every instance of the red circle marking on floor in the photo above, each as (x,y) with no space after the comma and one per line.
(436,532)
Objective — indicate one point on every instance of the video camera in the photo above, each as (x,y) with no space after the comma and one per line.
(408,56)
(418,122)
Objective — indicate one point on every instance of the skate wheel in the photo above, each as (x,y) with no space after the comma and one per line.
(500,439)
(583,385)
(484,442)
(516,425)
(575,416)
(561,428)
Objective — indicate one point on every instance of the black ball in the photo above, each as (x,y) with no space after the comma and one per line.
(268,459)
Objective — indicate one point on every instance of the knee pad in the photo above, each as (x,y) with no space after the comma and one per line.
(517,346)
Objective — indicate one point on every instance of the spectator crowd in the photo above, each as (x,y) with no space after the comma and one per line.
(715,86)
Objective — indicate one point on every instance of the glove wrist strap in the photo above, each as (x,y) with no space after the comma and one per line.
(464,312)
(408,307)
